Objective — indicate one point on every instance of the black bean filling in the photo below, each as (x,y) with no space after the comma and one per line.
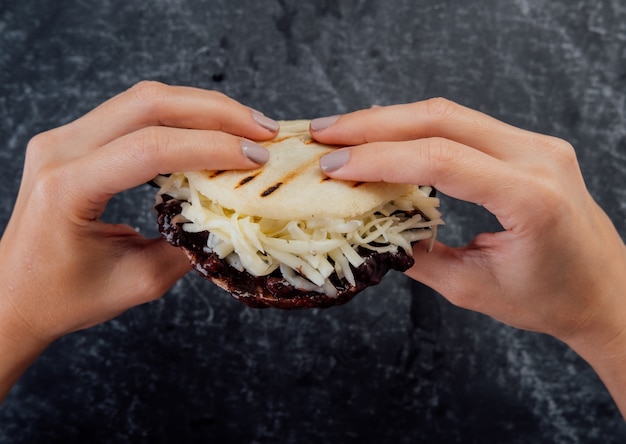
(272,290)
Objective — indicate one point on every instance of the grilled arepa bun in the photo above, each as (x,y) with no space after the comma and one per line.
(287,236)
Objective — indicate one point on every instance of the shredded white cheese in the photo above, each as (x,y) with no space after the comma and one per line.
(307,252)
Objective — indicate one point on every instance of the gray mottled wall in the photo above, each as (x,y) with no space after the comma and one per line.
(397,364)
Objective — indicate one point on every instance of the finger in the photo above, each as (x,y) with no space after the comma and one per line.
(155,104)
(137,158)
(431,118)
(452,168)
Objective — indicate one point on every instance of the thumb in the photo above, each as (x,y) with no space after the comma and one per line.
(152,267)
(458,274)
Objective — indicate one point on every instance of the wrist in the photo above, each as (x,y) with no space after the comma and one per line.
(609,362)
(19,347)
(601,339)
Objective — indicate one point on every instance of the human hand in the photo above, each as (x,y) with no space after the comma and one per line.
(558,266)
(61,267)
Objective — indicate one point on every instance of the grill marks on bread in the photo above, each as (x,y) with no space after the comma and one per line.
(271,189)
(291,184)
(281,181)
(245,180)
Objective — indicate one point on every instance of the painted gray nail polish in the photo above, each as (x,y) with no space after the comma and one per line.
(265,122)
(322,123)
(334,160)
(254,151)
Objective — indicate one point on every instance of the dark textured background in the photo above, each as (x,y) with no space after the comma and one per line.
(397,364)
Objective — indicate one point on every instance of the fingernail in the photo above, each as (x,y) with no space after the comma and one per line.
(254,151)
(322,123)
(334,160)
(265,121)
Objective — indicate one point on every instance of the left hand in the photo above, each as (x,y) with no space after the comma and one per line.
(557,266)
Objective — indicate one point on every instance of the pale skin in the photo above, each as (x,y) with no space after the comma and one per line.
(63,271)
(557,267)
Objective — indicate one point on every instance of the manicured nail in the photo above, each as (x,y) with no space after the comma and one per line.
(334,160)
(322,123)
(265,121)
(254,151)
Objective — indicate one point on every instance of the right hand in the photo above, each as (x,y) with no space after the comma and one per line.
(558,266)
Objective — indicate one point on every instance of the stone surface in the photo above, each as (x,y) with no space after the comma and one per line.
(398,363)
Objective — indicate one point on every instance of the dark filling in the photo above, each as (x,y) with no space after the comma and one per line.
(272,290)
